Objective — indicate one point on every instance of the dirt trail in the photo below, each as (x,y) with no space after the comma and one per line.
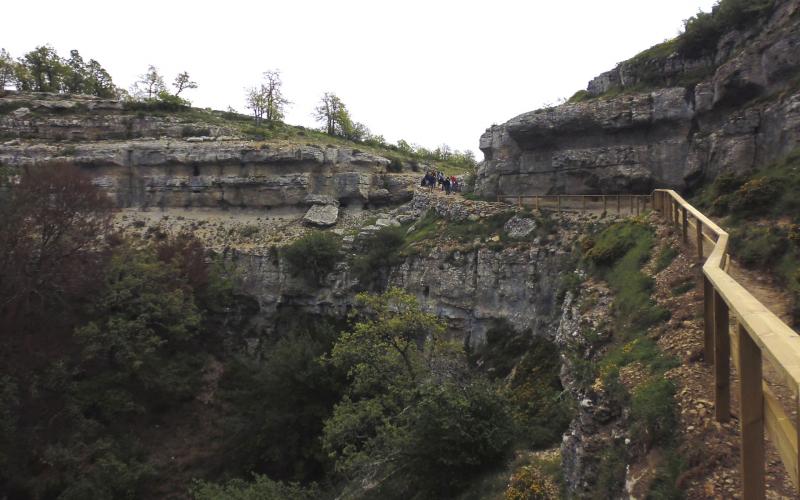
(712,449)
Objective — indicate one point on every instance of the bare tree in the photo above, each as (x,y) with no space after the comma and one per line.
(183,82)
(273,92)
(149,84)
(256,101)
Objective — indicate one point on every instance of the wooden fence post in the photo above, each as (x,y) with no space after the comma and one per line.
(619,197)
(722,361)
(558,198)
(699,231)
(584,203)
(751,416)
(708,321)
(605,204)
(537,202)
(684,214)
(637,205)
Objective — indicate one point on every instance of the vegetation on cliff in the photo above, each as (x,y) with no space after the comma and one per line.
(762,212)
(617,255)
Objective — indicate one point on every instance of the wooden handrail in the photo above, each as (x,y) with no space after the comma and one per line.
(758,333)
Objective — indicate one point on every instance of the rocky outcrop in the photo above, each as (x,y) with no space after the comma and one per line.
(744,114)
(180,160)
(470,287)
(322,215)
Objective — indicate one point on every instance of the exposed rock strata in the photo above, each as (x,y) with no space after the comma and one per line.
(149,160)
(745,114)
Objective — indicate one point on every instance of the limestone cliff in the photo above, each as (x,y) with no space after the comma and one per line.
(660,119)
(189,159)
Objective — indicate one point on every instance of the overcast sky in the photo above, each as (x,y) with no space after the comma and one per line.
(428,71)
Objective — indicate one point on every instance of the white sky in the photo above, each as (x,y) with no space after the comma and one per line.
(428,71)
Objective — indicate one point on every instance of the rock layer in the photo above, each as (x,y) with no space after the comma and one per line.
(745,114)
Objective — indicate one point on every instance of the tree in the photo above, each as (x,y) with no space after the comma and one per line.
(273,94)
(414,419)
(44,70)
(183,82)
(333,113)
(149,84)
(97,81)
(266,100)
(6,69)
(53,223)
(256,101)
(74,74)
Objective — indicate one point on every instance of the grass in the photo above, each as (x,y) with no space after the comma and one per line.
(617,255)
(665,258)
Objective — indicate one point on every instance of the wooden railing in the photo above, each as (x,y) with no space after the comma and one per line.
(758,334)
(630,203)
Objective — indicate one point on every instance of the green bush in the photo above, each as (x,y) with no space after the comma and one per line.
(653,412)
(756,196)
(613,243)
(758,247)
(261,488)
(727,183)
(395,166)
(313,256)
(703,30)
(381,252)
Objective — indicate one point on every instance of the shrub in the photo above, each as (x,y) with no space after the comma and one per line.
(758,246)
(261,488)
(530,482)
(381,251)
(727,183)
(756,196)
(703,30)
(313,256)
(613,243)
(653,412)
(395,166)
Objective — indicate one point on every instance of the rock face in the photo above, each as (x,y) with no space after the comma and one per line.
(149,160)
(744,114)
(470,288)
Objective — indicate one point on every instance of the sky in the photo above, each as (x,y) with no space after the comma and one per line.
(430,72)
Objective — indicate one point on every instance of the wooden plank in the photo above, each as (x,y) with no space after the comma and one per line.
(722,353)
(751,416)
(708,322)
(685,224)
(698,227)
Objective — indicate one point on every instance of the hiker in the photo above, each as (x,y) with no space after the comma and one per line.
(446,185)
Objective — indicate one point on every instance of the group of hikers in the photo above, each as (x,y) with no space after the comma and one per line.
(447,184)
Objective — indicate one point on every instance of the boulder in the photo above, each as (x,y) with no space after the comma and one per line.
(321,215)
